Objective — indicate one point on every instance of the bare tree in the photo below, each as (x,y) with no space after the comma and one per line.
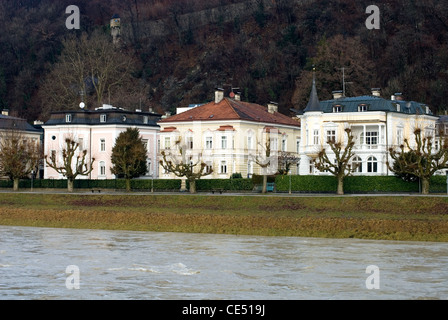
(285,161)
(184,165)
(90,68)
(72,164)
(19,156)
(421,161)
(267,159)
(341,166)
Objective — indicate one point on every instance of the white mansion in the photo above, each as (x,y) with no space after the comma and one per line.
(377,124)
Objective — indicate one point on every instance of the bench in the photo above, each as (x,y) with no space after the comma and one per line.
(98,190)
(269,187)
(217,190)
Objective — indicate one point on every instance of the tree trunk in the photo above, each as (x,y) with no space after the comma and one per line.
(16,184)
(425,185)
(265,184)
(192,186)
(128,185)
(70,184)
(340,185)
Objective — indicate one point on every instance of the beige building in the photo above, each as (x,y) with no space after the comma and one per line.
(230,135)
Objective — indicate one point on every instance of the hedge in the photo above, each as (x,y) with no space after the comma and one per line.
(240,184)
(355,184)
(136,184)
(304,184)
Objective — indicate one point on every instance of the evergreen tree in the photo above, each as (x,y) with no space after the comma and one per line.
(129,156)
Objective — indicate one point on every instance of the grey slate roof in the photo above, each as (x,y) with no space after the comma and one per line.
(113,116)
(374,103)
(313,103)
(8,122)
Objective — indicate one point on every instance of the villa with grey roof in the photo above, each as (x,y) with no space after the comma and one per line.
(377,124)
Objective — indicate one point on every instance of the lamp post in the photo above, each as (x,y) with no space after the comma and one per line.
(152,181)
(32,178)
(290,181)
(446,181)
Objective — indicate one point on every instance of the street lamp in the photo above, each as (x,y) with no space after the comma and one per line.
(152,181)
(290,173)
(446,181)
(32,177)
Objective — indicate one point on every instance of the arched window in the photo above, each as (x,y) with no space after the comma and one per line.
(357,162)
(372,164)
(102,168)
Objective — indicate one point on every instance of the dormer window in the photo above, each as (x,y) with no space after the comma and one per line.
(103,118)
(68,118)
(362,108)
(337,108)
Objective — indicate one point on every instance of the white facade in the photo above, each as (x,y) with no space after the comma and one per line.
(377,125)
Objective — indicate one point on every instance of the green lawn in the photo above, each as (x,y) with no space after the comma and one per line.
(368,217)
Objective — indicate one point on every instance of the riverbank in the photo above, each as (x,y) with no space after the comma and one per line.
(365,217)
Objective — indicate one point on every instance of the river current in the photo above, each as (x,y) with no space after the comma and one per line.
(56,264)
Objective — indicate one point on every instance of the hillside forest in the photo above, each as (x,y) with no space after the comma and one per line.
(176,52)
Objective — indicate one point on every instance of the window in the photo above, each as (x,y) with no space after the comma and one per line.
(284,144)
(331,136)
(362,108)
(167,142)
(68,118)
(357,162)
(372,164)
(273,143)
(209,143)
(337,108)
(145,143)
(223,167)
(102,168)
(145,119)
(223,142)
(250,169)
(103,118)
(208,167)
(399,136)
(249,143)
(298,145)
(316,137)
(370,139)
(189,142)
(148,168)
(103,145)
(81,144)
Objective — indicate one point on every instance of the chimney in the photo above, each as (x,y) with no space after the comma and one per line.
(398,96)
(5,112)
(238,96)
(272,107)
(337,94)
(376,92)
(219,95)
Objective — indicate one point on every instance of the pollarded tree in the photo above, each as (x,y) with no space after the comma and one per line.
(184,165)
(342,165)
(129,156)
(421,161)
(73,163)
(19,156)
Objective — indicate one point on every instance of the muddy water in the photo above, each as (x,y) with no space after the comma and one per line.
(151,265)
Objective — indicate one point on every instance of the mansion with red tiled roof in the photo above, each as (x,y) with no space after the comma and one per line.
(229,135)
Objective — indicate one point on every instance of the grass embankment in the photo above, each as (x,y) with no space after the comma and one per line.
(392,218)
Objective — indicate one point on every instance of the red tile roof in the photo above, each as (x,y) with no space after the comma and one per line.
(229,109)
